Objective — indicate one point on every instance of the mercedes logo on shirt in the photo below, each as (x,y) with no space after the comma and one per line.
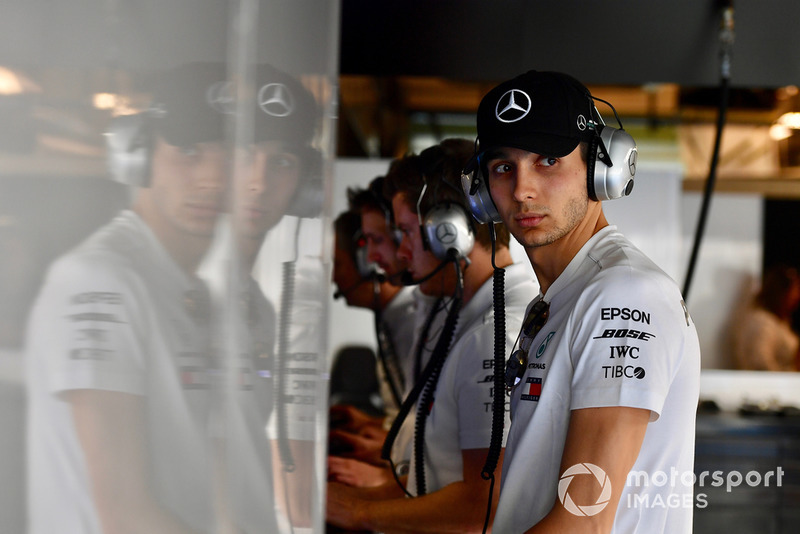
(220,97)
(276,99)
(512,106)
(446,233)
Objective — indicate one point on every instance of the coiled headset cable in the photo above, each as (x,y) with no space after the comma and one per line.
(429,374)
(498,400)
(426,401)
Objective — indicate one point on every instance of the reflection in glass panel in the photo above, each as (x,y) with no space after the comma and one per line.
(163,282)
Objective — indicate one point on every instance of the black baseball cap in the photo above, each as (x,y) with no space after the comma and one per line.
(182,106)
(284,109)
(548,113)
(192,103)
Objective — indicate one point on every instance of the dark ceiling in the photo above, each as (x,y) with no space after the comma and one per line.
(600,41)
(625,42)
(401,57)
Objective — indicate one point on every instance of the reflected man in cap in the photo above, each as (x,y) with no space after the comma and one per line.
(119,339)
(269,437)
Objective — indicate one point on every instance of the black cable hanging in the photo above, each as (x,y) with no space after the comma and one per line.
(431,370)
(387,355)
(726,45)
(498,397)
(426,399)
(420,376)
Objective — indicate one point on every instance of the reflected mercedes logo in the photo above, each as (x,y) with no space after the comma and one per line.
(446,233)
(581,122)
(632,162)
(512,106)
(276,99)
(220,97)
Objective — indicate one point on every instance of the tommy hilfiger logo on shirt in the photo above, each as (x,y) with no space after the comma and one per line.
(533,384)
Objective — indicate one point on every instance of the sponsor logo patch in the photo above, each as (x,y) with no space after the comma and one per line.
(610,333)
(533,389)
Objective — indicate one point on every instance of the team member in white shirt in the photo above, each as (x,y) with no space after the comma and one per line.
(605,381)
(395,319)
(379,287)
(397,310)
(458,416)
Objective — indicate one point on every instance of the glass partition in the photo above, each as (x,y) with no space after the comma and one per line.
(165,178)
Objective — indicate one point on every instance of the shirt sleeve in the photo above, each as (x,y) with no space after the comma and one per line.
(86,329)
(628,330)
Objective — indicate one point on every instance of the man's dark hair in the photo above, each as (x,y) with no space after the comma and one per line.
(347,227)
(372,198)
(440,167)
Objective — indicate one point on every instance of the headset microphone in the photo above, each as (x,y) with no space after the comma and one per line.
(396,278)
(407,278)
(340,293)
(376,276)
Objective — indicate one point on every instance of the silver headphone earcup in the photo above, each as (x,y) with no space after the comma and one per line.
(476,193)
(128,143)
(615,181)
(447,228)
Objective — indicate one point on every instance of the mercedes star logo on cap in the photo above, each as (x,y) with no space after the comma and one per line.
(276,99)
(512,106)
(446,233)
(581,122)
(220,97)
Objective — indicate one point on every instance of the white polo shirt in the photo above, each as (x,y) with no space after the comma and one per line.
(618,334)
(461,413)
(117,314)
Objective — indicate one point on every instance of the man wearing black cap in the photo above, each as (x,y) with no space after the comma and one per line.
(119,342)
(605,376)
(268,439)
